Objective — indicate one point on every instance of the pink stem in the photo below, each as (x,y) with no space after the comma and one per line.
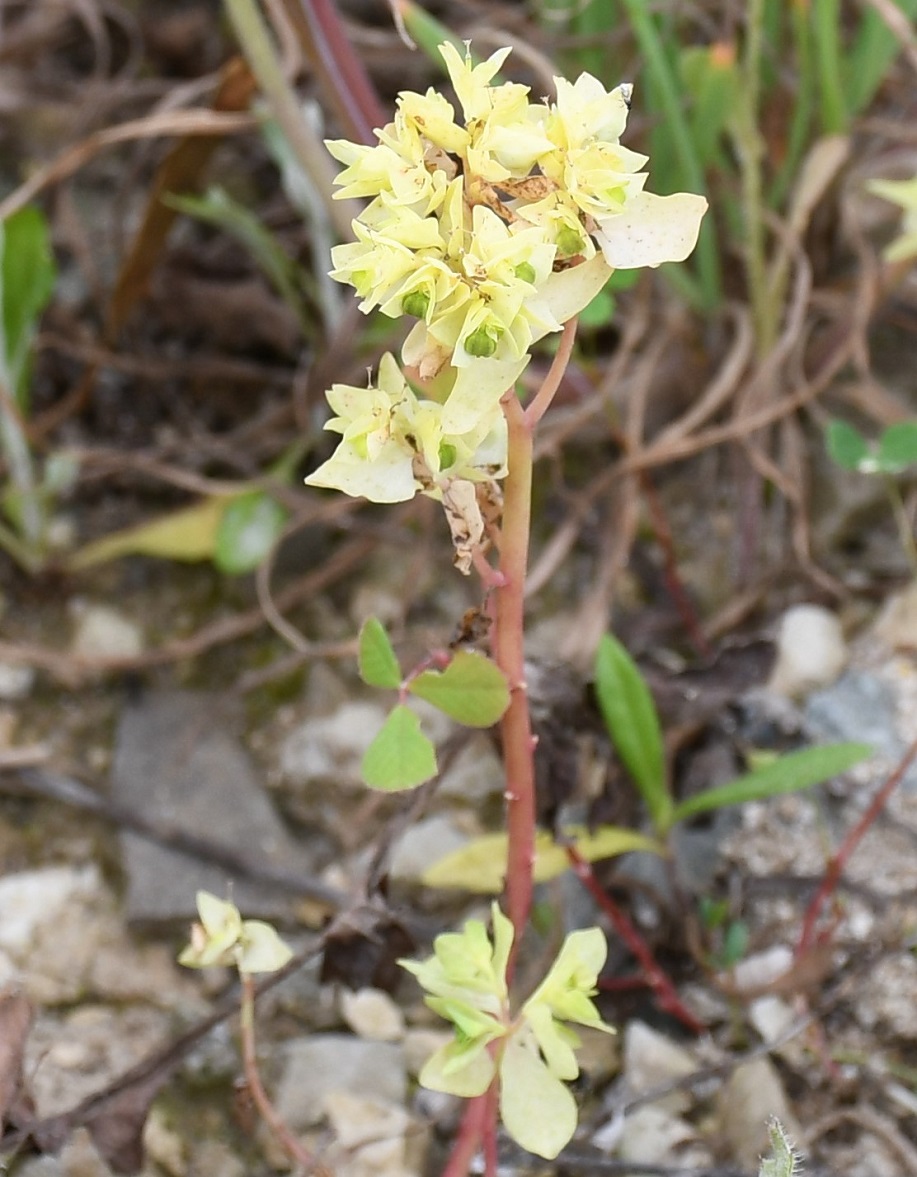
(468,1138)
(509,653)
(540,402)
(850,843)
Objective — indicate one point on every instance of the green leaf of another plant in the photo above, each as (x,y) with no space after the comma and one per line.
(27,274)
(784,1160)
(845,445)
(378,663)
(630,716)
(898,447)
(788,774)
(248,529)
(480,866)
(471,690)
(401,756)
(189,534)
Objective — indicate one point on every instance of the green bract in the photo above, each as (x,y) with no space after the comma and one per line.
(492,229)
(532,1054)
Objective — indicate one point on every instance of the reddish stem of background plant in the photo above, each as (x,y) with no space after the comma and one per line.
(657,980)
(850,843)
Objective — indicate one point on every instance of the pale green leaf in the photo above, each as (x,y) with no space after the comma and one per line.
(537,1110)
(633,724)
(248,529)
(784,1160)
(898,447)
(845,445)
(401,756)
(260,949)
(189,534)
(439,1073)
(788,774)
(471,690)
(378,663)
(480,866)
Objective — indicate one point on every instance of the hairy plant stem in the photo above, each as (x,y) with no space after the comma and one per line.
(509,653)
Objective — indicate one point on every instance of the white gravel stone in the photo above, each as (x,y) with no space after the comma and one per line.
(372,1014)
(811,651)
(102,632)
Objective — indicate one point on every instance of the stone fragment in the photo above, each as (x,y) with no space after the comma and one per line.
(326,1064)
(372,1014)
(811,651)
(103,632)
(179,761)
(752,1095)
(651,1060)
(423,844)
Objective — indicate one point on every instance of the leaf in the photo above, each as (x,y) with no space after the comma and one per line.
(471,690)
(27,275)
(898,447)
(480,866)
(401,756)
(378,663)
(537,1110)
(247,531)
(845,445)
(788,774)
(189,534)
(632,721)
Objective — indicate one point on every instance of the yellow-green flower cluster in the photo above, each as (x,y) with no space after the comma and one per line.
(531,1055)
(222,937)
(491,229)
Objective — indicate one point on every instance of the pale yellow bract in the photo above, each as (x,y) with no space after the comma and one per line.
(492,230)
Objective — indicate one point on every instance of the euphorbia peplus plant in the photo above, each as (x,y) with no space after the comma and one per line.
(492,231)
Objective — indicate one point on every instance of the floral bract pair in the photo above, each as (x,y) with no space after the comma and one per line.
(531,1055)
(491,232)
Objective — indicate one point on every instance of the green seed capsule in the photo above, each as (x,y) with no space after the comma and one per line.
(569,242)
(447,455)
(416,303)
(525,271)
(481,343)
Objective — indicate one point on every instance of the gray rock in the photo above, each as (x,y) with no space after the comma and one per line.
(864,707)
(328,1064)
(177,760)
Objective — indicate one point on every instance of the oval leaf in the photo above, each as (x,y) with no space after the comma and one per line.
(630,716)
(401,756)
(845,446)
(788,774)
(537,1110)
(480,866)
(378,664)
(898,447)
(249,528)
(471,690)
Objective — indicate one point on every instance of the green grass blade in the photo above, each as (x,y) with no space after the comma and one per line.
(630,716)
(874,49)
(788,774)
(826,28)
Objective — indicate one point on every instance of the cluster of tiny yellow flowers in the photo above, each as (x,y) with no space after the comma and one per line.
(491,231)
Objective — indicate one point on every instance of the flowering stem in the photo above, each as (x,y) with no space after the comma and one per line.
(298,1154)
(539,403)
(509,652)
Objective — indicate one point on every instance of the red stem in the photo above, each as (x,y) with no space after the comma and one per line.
(343,75)
(657,980)
(469,1135)
(509,653)
(839,861)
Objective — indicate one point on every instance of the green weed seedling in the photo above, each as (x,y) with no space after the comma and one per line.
(27,276)
(784,1161)
(893,454)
